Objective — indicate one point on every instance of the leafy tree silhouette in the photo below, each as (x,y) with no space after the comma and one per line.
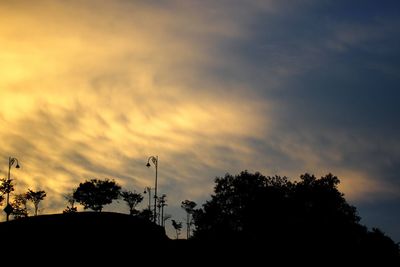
(378,243)
(132,199)
(19,204)
(310,215)
(322,211)
(6,186)
(69,209)
(35,198)
(241,206)
(188,206)
(94,194)
(69,197)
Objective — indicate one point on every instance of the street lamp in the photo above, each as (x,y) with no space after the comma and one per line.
(155,162)
(9,209)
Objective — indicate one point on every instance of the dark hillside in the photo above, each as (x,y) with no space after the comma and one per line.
(93,237)
(82,230)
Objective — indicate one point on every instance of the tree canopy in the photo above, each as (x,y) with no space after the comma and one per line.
(19,205)
(310,213)
(95,193)
(36,197)
(6,186)
(132,199)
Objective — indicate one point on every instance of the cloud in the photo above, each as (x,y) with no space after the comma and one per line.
(93,97)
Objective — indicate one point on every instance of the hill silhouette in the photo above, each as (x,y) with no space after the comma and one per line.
(99,237)
(85,231)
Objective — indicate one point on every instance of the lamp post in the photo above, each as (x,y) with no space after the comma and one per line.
(8,209)
(155,162)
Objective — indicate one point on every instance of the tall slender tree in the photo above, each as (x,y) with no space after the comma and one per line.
(188,206)
(162,202)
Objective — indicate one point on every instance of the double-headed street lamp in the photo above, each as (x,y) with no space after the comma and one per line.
(155,162)
(11,161)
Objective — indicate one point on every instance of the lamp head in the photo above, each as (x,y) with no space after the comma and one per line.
(17,166)
(148,165)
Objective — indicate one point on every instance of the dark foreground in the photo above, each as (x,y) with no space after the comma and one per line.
(110,238)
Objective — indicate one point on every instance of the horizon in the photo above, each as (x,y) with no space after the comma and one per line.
(92,90)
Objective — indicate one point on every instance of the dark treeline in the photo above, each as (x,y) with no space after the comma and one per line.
(302,220)
(250,218)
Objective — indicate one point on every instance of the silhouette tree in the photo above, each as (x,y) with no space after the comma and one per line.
(35,198)
(94,194)
(71,201)
(178,227)
(188,206)
(288,217)
(323,209)
(6,186)
(19,205)
(161,203)
(379,244)
(243,206)
(132,199)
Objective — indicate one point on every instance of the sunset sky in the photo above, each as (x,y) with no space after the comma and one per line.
(91,89)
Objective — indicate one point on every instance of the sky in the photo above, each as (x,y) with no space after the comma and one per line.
(92,89)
